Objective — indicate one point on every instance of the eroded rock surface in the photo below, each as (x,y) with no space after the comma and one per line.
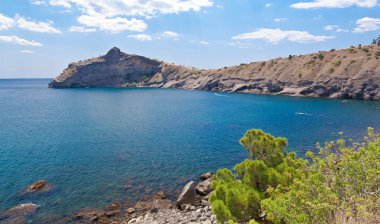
(352,73)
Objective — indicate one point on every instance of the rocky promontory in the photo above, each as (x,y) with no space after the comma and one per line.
(352,73)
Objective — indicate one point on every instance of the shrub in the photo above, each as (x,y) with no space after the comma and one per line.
(237,195)
(377,54)
(321,56)
(196,72)
(340,184)
(337,63)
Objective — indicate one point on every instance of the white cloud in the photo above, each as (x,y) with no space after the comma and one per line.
(141,37)
(5,22)
(113,25)
(111,8)
(170,35)
(268,5)
(81,29)
(27,52)
(17,40)
(335,4)
(202,42)
(115,15)
(275,36)
(242,45)
(38,2)
(335,28)
(331,27)
(63,3)
(280,19)
(34,26)
(340,30)
(367,24)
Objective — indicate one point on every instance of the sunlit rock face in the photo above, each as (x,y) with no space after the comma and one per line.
(352,73)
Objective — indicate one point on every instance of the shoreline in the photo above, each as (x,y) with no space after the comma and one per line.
(191,206)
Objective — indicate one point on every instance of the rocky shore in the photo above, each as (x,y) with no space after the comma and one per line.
(192,206)
(352,73)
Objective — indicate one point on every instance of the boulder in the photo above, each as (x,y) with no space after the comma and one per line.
(205,176)
(130,210)
(187,195)
(159,195)
(204,187)
(40,185)
(89,214)
(18,213)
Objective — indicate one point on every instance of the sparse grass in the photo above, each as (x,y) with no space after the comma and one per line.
(196,72)
(321,56)
(352,50)
(337,63)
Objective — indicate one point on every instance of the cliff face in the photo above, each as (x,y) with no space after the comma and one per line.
(352,73)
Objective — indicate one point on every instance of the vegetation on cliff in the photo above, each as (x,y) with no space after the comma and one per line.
(340,184)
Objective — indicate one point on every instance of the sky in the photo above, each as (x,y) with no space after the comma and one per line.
(39,38)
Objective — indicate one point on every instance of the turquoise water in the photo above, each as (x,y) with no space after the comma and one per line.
(102,145)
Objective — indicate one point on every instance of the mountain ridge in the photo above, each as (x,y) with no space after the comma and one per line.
(351,73)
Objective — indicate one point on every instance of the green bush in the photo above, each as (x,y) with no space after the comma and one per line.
(337,63)
(340,184)
(237,195)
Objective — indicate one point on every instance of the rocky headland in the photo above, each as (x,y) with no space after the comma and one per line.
(352,73)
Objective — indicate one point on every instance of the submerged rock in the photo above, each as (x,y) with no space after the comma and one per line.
(18,213)
(38,186)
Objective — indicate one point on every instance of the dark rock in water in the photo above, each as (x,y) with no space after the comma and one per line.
(205,176)
(204,187)
(38,186)
(187,195)
(18,213)
(114,206)
(102,215)
(90,214)
(144,205)
(159,195)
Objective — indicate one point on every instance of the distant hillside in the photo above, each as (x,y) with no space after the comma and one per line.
(352,73)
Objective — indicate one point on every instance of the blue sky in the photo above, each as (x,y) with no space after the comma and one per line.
(39,38)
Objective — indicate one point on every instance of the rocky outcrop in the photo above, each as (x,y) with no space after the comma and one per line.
(17,214)
(38,186)
(352,73)
(154,209)
(187,195)
(376,41)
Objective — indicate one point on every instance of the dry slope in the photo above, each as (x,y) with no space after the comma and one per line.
(352,73)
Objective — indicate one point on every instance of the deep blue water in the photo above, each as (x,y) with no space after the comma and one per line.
(102,145)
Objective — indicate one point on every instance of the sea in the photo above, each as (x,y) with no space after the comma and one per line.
(97,146)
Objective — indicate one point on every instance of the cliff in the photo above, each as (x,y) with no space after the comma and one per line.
(352,73)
